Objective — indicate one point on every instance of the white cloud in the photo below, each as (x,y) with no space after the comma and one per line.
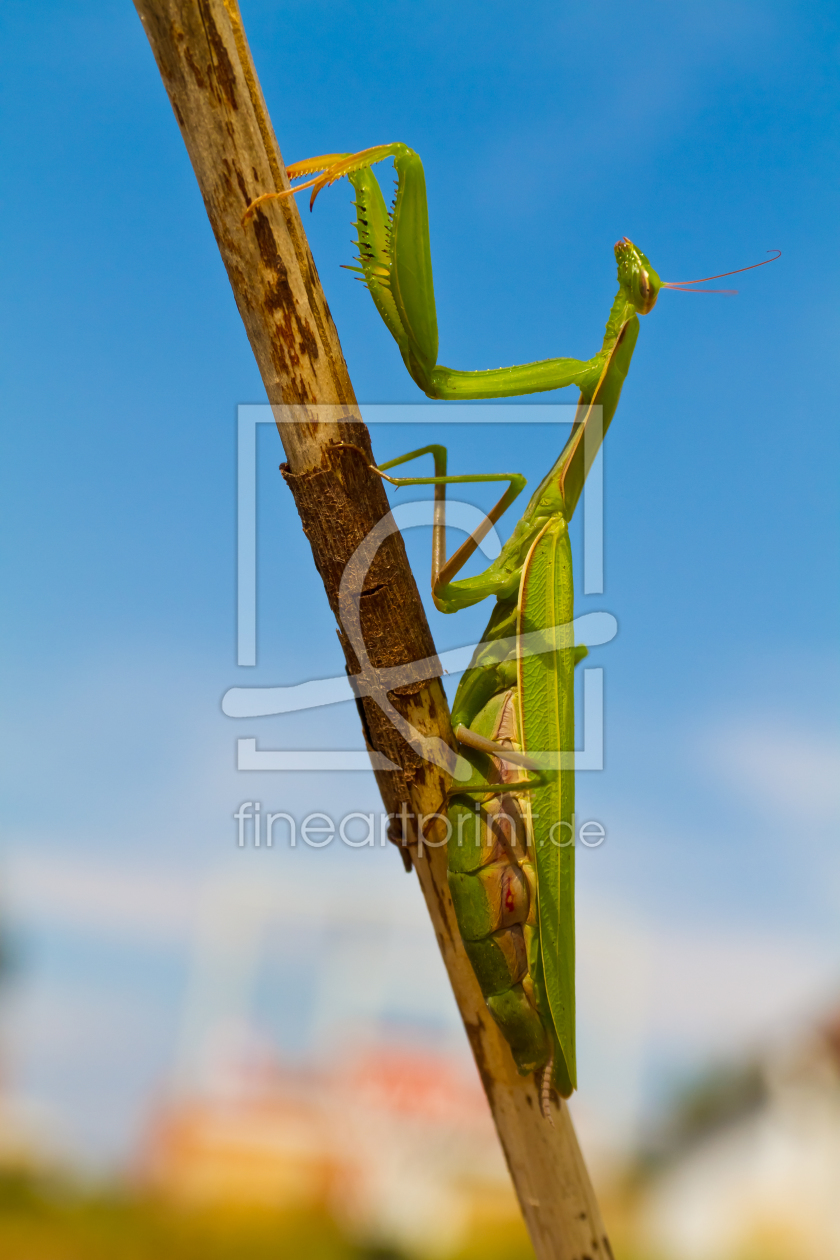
(99,897)
(779,768)
(716,991)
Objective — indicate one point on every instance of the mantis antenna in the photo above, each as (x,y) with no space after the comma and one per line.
(682,286)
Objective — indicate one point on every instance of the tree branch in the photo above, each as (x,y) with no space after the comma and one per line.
(206,66)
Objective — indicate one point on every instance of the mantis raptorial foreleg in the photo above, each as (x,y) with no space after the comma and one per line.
(395,262)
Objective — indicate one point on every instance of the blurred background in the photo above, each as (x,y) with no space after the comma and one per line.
(214,1050)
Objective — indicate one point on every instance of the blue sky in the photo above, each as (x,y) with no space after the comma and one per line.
(707,134)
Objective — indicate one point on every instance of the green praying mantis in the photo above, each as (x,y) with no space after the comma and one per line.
(511,822)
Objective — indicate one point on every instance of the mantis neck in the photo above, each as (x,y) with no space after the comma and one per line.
(560,489)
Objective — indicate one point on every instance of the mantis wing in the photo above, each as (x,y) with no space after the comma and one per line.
(546,698)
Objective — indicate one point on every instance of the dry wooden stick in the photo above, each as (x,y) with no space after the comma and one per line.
(207,69)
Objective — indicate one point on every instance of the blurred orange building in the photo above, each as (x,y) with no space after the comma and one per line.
(399,1145)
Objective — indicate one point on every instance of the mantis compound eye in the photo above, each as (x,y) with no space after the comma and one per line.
(648,297)
(644,288)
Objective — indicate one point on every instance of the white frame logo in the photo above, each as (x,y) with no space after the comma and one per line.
(592,629)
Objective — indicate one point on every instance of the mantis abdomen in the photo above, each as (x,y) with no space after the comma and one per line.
(494,891)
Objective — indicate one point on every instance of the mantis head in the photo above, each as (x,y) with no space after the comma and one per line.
(642,284)
(636,275)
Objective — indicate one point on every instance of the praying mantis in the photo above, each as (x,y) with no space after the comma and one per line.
(511,876)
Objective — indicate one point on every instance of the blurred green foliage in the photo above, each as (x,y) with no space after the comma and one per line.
(722,1096)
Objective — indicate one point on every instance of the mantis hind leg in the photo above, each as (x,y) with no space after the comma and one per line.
(449,598)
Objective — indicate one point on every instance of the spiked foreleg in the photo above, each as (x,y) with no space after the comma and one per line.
(395,253)
(373,224)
